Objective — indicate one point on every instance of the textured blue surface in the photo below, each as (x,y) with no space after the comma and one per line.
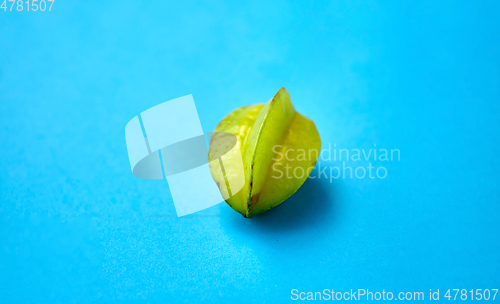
(77,227)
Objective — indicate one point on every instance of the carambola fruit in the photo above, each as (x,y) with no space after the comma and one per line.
(277,150)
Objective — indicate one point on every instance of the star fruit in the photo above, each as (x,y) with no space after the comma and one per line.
(276,148)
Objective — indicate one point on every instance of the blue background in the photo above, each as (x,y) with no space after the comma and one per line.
(422,77)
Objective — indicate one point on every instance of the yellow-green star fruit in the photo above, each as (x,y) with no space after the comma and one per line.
(276,150)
